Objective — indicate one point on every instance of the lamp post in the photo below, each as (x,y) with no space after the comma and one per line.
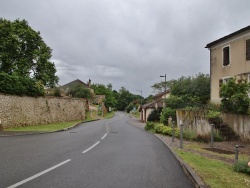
(141,95)
(165,88)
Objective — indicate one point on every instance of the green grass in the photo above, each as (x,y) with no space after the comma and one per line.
(215,173)
(45,127)
(110,115)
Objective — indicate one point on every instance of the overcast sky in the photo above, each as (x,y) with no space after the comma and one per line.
(129,43)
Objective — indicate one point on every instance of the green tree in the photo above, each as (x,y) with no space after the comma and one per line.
(165,114)
(100,89)
(79,91)
(235,97)
(24,53)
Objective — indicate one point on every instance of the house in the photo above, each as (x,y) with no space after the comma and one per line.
(64,89)
(158,102)
(229,58)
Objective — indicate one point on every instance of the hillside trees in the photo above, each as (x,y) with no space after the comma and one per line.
(119,100)
(24,54)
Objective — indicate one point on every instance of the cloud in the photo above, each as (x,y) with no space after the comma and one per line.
(129,43)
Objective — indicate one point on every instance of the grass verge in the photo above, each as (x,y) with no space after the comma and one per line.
(54,126)
(45,127)
(214,173)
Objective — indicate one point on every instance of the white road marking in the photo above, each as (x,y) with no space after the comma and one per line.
(104,136)
(85,151)
(39,174)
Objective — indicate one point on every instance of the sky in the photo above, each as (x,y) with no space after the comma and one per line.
(129,43)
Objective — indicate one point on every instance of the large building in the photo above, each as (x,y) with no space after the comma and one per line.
(229,58)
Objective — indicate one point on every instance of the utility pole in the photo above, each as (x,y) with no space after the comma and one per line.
(165,89)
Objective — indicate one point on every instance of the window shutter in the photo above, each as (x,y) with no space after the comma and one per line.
(226,56)
(248,49)
(220,82)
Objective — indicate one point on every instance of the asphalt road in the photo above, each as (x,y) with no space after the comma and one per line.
(106,153)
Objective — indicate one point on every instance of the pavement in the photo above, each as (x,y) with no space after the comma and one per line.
(136,122)
(167,140)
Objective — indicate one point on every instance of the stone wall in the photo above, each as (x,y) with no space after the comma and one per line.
(24,111)
(193,120)
(197,121)
(239,123)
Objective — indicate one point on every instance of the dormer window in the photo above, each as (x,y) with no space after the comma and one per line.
(226,56)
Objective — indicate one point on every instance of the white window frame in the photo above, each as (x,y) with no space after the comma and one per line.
(248,78)
(226,79)
(223,56)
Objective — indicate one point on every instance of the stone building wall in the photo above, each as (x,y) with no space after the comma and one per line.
(24,111)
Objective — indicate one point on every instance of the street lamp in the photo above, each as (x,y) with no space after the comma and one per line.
(165,88)
(141,95)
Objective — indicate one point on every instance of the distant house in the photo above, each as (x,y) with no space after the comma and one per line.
(98,99)
(229,58)
(64,89)
(158,102)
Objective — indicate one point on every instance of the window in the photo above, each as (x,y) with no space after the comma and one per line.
(226,56)
(224,80)
(248,49)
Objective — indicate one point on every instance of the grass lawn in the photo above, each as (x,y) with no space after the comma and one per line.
(215,173)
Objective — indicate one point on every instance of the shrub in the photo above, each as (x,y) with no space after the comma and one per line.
(189,135)
(149,126)
(57,92)
(154,115)
(242,167)
(157,128)
(217,136)
(165,114)
(16,85)
(235,97)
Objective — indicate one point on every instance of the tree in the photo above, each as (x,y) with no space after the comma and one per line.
(235,97)
(100,89)
(194,91)
(79,91)
(24,53)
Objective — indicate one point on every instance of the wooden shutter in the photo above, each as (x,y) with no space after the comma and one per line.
(226,56)
(248,49)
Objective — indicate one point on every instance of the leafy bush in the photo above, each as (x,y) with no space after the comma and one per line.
(218,137)
(242,167)
(235,97)
(57,92)
(154,115)
(189,135)
(16,85)
(165,114)
(149,125)
(130,107)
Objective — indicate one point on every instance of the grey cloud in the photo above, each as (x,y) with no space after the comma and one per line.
(129,43)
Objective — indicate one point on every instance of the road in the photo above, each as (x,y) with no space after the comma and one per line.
(106,153)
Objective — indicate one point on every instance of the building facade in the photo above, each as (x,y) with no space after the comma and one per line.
(229,58)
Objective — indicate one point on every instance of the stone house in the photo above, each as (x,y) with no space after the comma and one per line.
(158,102)
(229,58)
(64,89)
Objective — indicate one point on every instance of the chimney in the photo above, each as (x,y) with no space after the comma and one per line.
(89,83)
